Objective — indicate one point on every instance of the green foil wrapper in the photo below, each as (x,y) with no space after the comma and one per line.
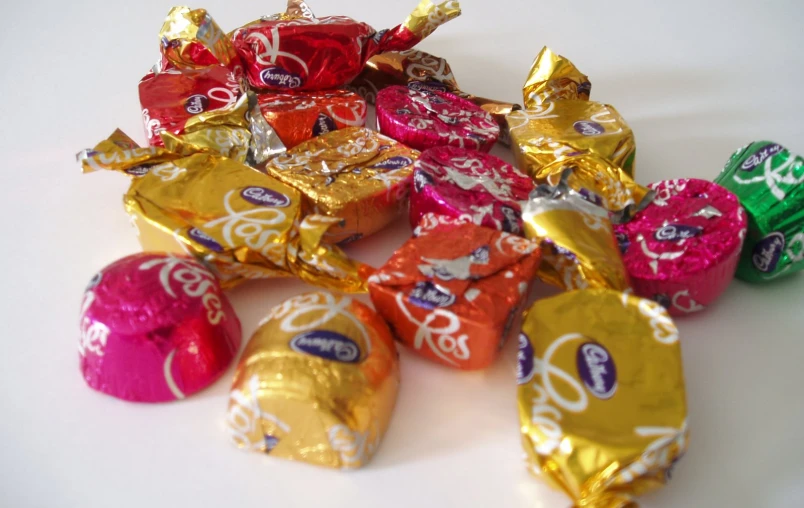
(769,180)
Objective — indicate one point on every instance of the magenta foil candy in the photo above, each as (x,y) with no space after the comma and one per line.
(155,328)
(425,119)
(468,185)
(682,250)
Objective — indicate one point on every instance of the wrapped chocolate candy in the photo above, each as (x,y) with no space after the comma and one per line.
(199,73)
(242,223)
(359,178)
(552,77)
(423,71)
(559,121)
(599,181)
(554,130)
(458,182)
(299,116)
(425,119)
(299,51)
(769,180)
(601,395)
(683,248)
(155,328)
(579,249)
(316,383)
(454,293)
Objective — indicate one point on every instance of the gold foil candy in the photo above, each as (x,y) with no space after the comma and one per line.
(186,31)
(559,129)
(316,383)
(579,249)
(598,180)
(601,395)
(355,175)
(427,16)
(552,77)
(242,223)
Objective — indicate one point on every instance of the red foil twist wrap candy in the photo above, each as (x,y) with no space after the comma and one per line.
(682,250)
(454,293)
(155,328)
(425,119)
(466,183)
(297,117)
(296,50)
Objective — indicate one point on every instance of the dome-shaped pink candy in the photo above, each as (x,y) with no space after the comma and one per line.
(155,328)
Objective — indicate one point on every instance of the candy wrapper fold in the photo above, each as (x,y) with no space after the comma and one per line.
(190,39)
(602,405)
(155,328)
(579,249)
(357,177)
(769,181)
(317,383)
(453,293)
(296,50)
(552,77)
(240,222)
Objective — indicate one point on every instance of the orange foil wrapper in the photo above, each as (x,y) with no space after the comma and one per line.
(297,117)
(355,176)
(454,293)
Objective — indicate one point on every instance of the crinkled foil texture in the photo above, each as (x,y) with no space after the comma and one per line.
(155,328)
(769,181)
(459,182)
(355,176)
(601,395)
(454,293)
(682,249)
(425,119)
(317,383)
(297,117)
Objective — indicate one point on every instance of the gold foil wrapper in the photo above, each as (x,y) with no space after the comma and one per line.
(579,249)
(552,77)
(555,130)
(185,32)
(426,71)
(222,132)
(316,383)
(356,176)
(426,17)
(601,395)
(241,223)
(598,180)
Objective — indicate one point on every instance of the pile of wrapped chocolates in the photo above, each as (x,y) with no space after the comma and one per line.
(259,165)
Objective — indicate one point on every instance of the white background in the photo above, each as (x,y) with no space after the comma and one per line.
(695,79)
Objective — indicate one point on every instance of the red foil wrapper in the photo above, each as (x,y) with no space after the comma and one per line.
(298,51)
(454,293)
(171,97)
(425,119)
(299,116)
(155,328)
(682,250)
(463,183)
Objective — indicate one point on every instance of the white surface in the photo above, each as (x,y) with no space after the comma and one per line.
(696,80)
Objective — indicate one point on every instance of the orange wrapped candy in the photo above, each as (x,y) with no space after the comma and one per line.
(299,116)
(453,293)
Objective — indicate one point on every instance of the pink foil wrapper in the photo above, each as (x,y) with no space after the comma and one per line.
(423,119)
(155,328)
(469,184)
(682,249)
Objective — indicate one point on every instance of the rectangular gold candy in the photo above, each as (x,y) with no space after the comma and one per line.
(601,396)
(240,222)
